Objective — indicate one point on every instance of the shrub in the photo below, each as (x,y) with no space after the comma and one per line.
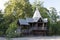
(1,33)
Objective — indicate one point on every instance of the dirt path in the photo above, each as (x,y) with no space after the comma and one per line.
(33,38)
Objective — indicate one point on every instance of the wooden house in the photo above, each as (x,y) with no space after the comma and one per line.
(33,26)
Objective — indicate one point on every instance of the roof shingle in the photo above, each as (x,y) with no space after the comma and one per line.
(23,22)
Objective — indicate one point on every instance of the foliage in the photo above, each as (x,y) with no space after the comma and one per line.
(53,14)
(11,30)
(1,20)
(13,11)
(53,21)
(42,9)
(1,33)
(19,8)
(16,9)
(58,28)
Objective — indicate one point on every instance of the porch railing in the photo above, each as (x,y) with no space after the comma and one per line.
(34,28)
(38,28)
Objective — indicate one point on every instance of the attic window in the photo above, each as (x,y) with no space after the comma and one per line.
(40,20)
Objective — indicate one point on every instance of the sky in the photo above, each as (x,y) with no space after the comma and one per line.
(47,4)
(2,2)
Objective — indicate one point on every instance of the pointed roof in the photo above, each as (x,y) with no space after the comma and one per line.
(37,13)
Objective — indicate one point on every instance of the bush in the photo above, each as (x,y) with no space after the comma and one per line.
(14,34)
(1,33)
(11,30)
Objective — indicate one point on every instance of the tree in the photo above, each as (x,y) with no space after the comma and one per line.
(53,20)
(19,8)
(1,26)
(41,8)
(14,10)
(1,15)
(53,14)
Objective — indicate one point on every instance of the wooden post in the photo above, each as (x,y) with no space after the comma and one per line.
(43,26)
(43,29)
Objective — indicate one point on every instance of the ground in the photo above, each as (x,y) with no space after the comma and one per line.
(34,38)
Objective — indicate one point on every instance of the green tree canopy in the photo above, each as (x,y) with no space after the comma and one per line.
(16,9)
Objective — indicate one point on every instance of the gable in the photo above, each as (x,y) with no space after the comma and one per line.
(40,20)
(36,14)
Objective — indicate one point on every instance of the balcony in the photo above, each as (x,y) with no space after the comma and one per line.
(38,28)
(25,31)
(42,28)
(34,28)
